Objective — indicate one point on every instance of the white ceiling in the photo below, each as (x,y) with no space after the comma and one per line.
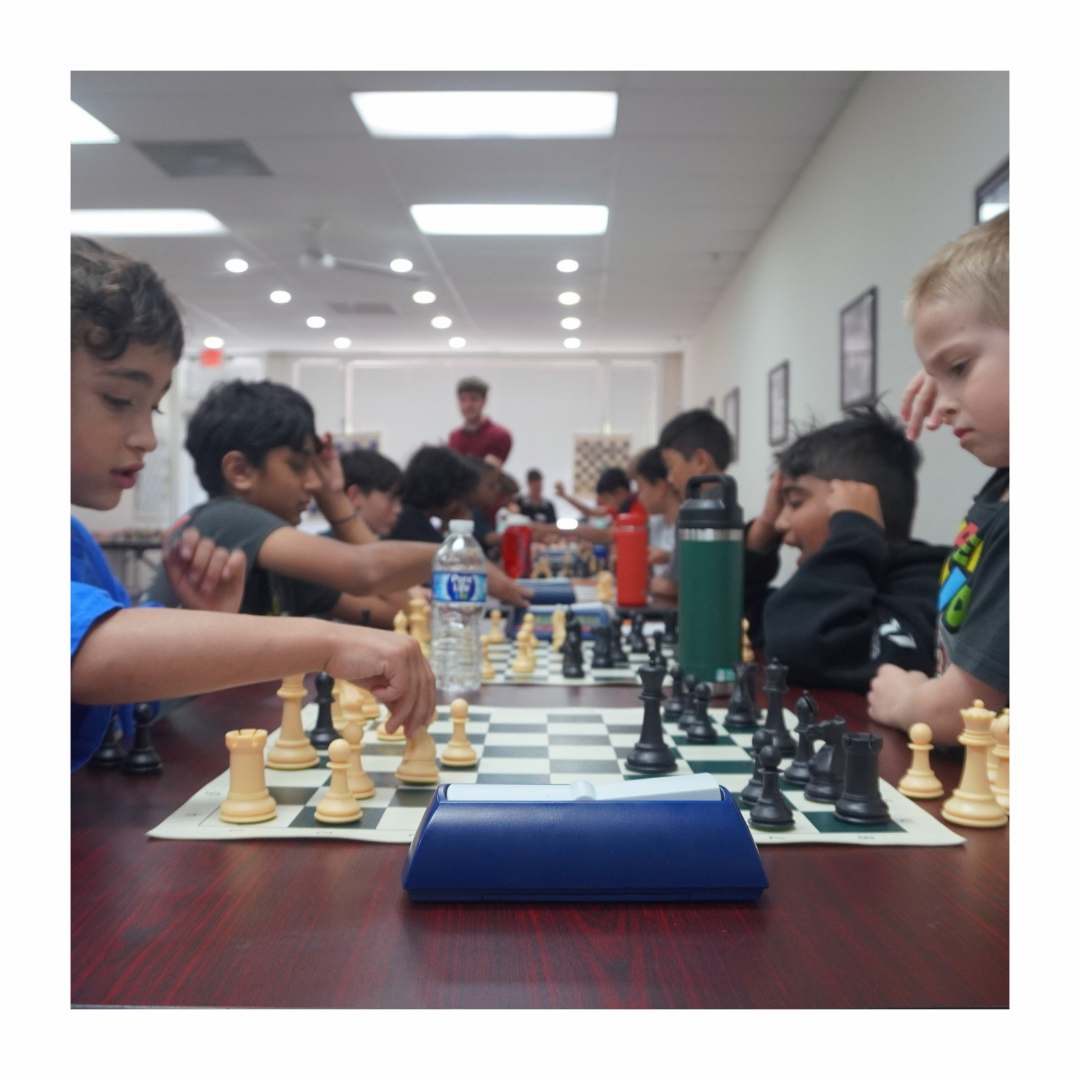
(698,164)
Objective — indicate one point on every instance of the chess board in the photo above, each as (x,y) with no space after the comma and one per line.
(548,669)
(531,746)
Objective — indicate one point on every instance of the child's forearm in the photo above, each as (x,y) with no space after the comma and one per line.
(392,565)
(344,519)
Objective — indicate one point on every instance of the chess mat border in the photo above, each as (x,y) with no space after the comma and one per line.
(533,746)
(548,670)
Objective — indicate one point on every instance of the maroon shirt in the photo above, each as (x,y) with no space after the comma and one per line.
(488,438)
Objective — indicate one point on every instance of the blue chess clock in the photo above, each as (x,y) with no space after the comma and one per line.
(664,838)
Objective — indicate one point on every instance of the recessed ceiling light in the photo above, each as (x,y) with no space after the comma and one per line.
(571,322)
(145,223)
(488,114)
(509,219)
(424,297)
(213,342)
(89,129)
(456,343)
(566,266)
(342,342)
(235,266)
(569,298)
(572,342)
(400,266)
(280,296)
(316,322)
(442,322)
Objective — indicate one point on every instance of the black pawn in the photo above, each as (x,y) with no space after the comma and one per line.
(671,621)
(752,792)
(691,682)
(572,660)
(651,754)
(676,704)
(324,732)
(798,772)
(775,688)
(110,754)
(827,767)
(861,803)
(742,708)
(618,653)
(636,642)
(142,758)
(700,729)
(601,657)
(771,810)
(658,642)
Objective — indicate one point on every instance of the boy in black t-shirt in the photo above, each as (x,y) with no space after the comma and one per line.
(534,506)
(959,305)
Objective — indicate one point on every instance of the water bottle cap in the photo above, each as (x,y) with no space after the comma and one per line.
(460,526)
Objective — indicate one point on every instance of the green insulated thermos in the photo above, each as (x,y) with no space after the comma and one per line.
(710,529)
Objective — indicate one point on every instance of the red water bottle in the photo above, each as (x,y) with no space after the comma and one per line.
(632,558)
(516,547)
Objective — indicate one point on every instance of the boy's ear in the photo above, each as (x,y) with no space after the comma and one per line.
(238,472)
(355,495)
(703,462)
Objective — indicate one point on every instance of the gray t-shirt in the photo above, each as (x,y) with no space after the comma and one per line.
(232,523)
(661,534)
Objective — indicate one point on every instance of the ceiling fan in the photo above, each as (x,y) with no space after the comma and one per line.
(315,254)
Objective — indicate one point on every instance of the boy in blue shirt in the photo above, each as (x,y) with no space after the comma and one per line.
(126,340)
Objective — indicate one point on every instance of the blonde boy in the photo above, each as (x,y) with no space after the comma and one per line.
(959,309)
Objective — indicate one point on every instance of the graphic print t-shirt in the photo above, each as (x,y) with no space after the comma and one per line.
(973,602)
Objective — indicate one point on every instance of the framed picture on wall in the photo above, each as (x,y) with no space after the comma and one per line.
(731,419)
(858,350)
(992,195)
(778,404)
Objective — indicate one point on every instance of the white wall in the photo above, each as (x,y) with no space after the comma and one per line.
(892,181)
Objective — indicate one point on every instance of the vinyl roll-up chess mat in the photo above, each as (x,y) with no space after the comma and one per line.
(531,746)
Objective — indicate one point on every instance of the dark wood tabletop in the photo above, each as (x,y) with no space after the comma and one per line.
(315,924)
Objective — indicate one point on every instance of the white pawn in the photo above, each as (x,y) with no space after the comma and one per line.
(360,784)
(401,623)
(293,749)
(248,800)
(523,662)
(338,805)
(418,763)
(919,782)
(973,803)
(487,670)
(497,637)
(605,586)
(528,621)
(459,752)
(558,628)
(1000,730)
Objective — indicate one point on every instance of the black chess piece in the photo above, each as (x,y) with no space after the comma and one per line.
(771,810)
(752,792)
(573,663)
(324,732)
(861,802)
(618,653)
(798,772)
(676,703)
(636,642)
(110,754)
(142,759)
(601,657)
(691,682)
(700,729)
(828,766)
(742,709)
(651,754)
(671,622)
(658,642)
(775,688)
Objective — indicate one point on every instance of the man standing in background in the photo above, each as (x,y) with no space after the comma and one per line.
(479,436)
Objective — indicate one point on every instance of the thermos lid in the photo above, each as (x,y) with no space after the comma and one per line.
(637,518)
(715,508)
(517,519)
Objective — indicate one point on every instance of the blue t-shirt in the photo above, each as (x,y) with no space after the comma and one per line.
(94,592)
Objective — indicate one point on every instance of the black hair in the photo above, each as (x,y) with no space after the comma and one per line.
(698,429)
(650,466)
(612,480)
(437,476)
(116,299)
(370,471)
(507,484)
(868,445)
(472,385)
(534,474)
(252,417)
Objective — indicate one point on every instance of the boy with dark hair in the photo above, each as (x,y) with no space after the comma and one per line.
(436,484)
(479,436)
(126,338)
(864,592)
(373,486)
(661,503)
(534,506)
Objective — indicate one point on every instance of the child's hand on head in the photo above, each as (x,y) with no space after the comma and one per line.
(203,576)
(763,533)
(917,404)
(857,496)
(328,466)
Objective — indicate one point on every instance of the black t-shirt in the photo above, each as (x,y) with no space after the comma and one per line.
(973,603)
(414,524)
(232,523)
(542,511)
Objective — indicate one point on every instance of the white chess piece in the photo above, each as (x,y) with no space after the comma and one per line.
(487,670)
(1000,730)
(459,752)
(360,784)
(418,763)
(248,800)
(919,782)
(973,802)
(293,749)
(338,805)
(497,636)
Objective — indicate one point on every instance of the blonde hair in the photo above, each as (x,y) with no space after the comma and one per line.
(974,267)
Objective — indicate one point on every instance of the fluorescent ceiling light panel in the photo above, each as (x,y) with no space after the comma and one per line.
(89,129)
(503,219)
(145,223)
(488,114)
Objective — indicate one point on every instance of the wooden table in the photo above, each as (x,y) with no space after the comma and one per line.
(304,923)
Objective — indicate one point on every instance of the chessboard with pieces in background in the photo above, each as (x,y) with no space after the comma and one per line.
(532,746)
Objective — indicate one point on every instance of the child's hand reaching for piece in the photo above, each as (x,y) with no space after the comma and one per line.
(203,576)
(857,496)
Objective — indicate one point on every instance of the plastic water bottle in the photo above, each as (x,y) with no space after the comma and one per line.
(459,588)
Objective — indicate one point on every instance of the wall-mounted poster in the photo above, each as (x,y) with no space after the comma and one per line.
(731,420)
(992,195)
(778,404)
(858,350)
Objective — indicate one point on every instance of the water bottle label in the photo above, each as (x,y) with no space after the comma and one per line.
(451,587)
